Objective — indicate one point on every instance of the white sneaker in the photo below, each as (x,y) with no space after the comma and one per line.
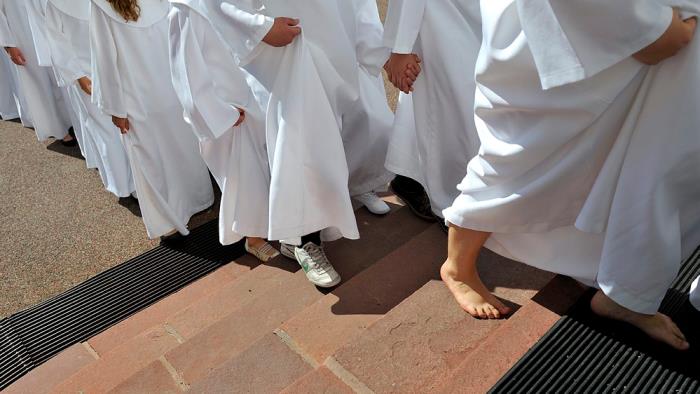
(315,264)
(373,203)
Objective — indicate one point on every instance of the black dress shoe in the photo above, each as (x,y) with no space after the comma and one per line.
(415,197)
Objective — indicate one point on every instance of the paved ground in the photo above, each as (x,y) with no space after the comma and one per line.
(59,225)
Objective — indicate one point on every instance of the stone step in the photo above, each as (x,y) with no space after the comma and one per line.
(110,370)
(47,376)
(505,346)
(346,312)
(419,343)
(155,378)
(291,294)
(234,297)
(267,366)
(224,340)
(318,381)
(158,312)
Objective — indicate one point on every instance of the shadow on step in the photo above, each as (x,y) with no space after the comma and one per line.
(400,273)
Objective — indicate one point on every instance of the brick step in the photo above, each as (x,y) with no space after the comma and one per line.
(49,375)
(157,313)
(482,369)
(45,377)
(419,344)
(346,312)
(280,289)
(208,349)
(318,381)
(373,292)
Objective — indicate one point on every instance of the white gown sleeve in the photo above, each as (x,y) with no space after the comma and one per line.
(107,90)
(248,28)
(65,58)
(209,89)
(575,40)
(7,37)
(403,23)
(37,25)
(371,52)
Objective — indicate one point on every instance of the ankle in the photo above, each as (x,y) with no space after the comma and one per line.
(255,242)
(459,271)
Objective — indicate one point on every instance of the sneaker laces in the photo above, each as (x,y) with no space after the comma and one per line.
(319,258)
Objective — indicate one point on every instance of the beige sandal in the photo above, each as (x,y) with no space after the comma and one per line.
(264,252)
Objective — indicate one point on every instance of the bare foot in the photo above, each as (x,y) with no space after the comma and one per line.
(471,294)
(659,326)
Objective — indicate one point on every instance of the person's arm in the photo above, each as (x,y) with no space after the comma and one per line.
(107,90)
(245,31)
(404,19)
(371,52)
(37,25)
(403,24)
(207,79)
(64,55)
(8,39)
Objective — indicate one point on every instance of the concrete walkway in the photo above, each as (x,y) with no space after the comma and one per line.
(59,226)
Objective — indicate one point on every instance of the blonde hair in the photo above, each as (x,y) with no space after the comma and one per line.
(128,9)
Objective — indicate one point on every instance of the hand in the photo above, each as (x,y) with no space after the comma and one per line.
(241,117)
(403,70)
(283,32)
(121,123)
(16,56)
(677,36)
(86,85)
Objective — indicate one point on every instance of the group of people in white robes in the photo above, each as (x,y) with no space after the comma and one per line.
(560,134)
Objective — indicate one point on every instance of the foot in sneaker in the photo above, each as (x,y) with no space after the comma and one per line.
(263,252)
(315,264)
(373,203)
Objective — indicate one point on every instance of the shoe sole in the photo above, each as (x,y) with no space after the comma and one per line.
(413,209)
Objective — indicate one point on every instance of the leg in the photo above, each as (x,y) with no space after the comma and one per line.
(459,272)
(659,326)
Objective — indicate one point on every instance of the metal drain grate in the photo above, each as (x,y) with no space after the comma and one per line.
(31,337)
(583,353)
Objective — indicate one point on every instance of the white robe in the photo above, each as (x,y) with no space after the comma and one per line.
(8,106)
(36,83)
(347,34)
(130,67)
(434,135)
(211,86)
(588,165)
(695,293)
(309,173)
(66,101)
(69,43)
(19,101)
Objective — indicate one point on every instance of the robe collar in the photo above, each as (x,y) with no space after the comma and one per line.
(78,9)
(152,12)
